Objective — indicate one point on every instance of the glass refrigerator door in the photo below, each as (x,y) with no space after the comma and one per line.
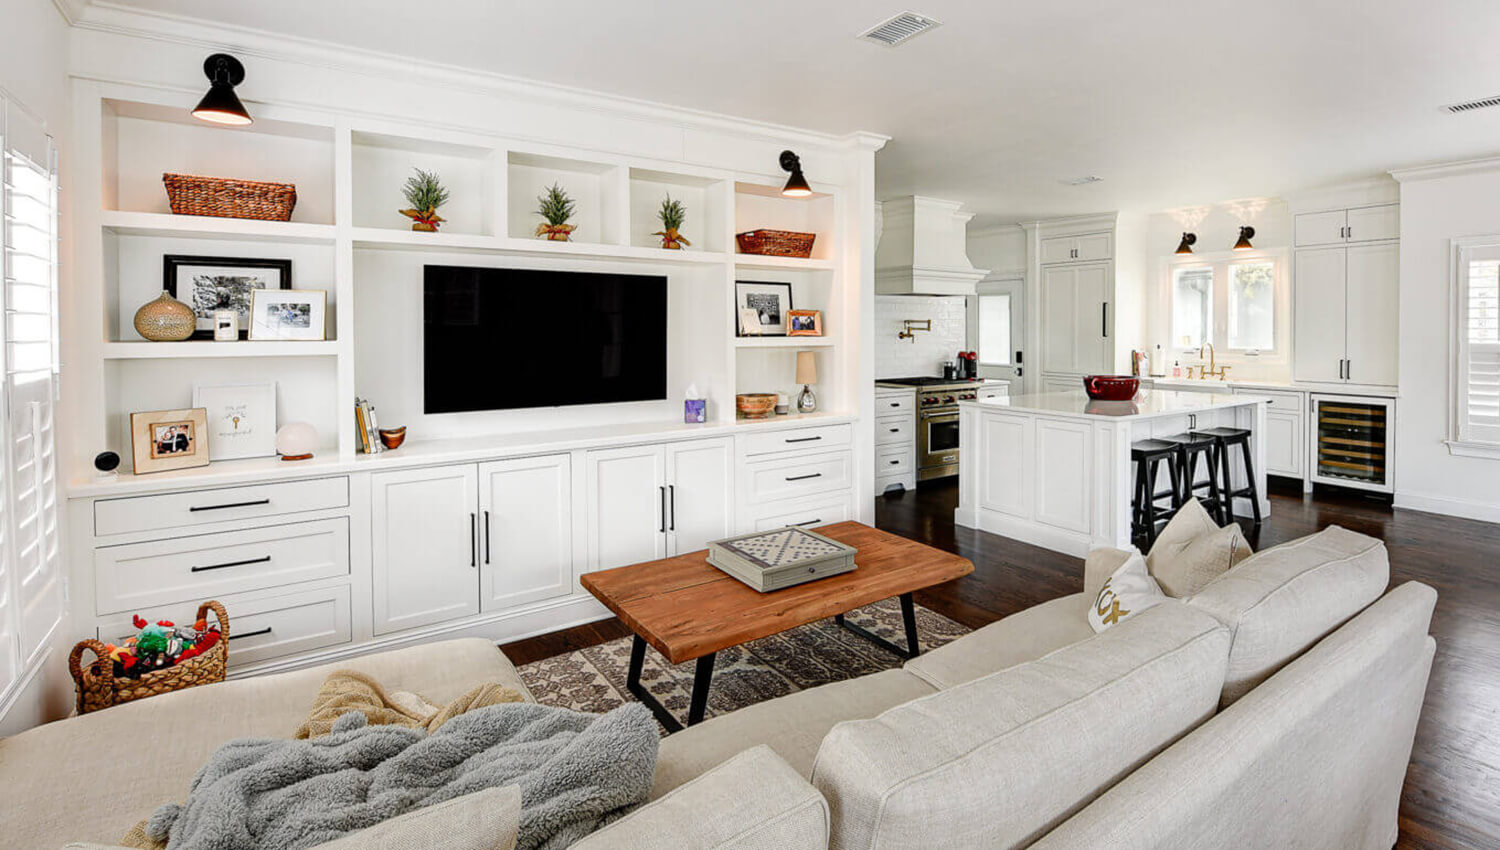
(1352,445)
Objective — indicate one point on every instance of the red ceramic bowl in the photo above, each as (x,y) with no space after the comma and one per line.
(1111,387)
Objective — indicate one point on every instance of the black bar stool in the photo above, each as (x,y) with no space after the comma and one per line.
(1190,447)
(1223,439)
(1148,456)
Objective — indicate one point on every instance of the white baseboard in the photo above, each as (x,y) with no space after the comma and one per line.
(1448,506)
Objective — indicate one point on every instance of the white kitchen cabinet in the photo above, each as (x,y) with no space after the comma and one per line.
(1088,247)
(425,546)
(1318,314)
(1006,485)
(700,494)
(1357,224)
(1064,496)
(895,438)
(650,502)
(1345,315)
(526,520)
(1075,318)
(1283,441)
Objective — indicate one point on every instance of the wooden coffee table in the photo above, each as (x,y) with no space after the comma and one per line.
(690,610)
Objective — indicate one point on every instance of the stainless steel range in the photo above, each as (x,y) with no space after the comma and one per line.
(937,422)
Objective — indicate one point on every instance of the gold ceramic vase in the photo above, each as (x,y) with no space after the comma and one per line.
(165,319)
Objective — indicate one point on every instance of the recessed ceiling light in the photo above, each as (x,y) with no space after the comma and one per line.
(900,28)
(1081,181)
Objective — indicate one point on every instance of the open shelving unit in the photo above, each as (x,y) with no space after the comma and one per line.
(347,238)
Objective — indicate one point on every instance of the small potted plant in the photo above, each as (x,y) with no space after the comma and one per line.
(424,193)
(672,215)
(556,208)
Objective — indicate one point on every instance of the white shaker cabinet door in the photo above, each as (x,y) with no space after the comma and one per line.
(1091,354)
(1368,224)
(1374,272)
(1318,324)
(627,499)
(425,546)
(700,494)
(526,520)
(1283,440)
(1320,228)
(1059,319)
(1065,491)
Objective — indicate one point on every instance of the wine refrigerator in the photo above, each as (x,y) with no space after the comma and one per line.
(1353,441)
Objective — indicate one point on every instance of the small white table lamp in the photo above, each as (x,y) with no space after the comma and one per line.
(807,373)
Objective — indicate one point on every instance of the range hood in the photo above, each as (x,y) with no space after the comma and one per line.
(922,249)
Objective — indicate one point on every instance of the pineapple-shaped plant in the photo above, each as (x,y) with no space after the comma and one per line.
(555,207)
(672,215)
(424,194)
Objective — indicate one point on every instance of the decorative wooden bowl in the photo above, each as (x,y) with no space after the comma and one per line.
(755,405)
(392,438)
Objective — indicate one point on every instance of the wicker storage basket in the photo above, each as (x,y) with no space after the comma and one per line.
(776,243)
(226,198)
(98,688)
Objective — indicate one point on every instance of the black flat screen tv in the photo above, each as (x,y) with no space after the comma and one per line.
(503,339)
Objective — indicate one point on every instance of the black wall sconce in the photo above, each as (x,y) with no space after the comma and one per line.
(1186,245)
(221,105)
(796,185)
(1246,234)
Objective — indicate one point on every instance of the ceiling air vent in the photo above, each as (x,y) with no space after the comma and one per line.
(1081,181)
(1472,105)
(899,29)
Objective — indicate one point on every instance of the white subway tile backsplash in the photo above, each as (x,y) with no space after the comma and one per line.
(924,355)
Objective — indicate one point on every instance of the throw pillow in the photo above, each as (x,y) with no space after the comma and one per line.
(1192,551)
(1126,593)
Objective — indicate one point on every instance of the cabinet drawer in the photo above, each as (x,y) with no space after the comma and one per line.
(1276,401)
(191,569)
(824,437)
(175,510)
(895,429)
(264,629)
(905,403)
(893,461)
(814,513)
(789,478)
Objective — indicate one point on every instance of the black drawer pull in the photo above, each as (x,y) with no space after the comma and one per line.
(805,477)
(895,404)
(197,508)
(895,462)
(256,633)
(895,430)
(230,564)
(803,439)
(808,522)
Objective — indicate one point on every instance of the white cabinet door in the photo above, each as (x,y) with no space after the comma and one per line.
(526,520)
(1374,273)
(1091,350)
(424,547)
(1064,495)
(1320,228)
(1318,323)
(1005,441)
(1283,439)
(627,501)
(1096,246)
(1059,249)
(1059,318)
(700,494)
(1368,224)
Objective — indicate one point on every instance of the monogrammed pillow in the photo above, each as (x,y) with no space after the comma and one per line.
(1127,592)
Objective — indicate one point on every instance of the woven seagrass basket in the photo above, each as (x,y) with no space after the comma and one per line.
(776,243)
(98,688)
(227,198)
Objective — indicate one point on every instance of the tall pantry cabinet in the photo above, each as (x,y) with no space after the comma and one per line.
(1346,277)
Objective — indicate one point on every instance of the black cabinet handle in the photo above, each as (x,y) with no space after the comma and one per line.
(256,633)
(895,404)
(805,477)
(230,564)
(803,439)
(1104,318)
(486,537)
(808,522)
(1348,370)
(672,496)
(895,463)
(895,430)
(473,540)
(663,528)
(196,508)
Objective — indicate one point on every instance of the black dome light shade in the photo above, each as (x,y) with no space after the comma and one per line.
(796,185)
(1186,245)
(1246,234)
(221,105)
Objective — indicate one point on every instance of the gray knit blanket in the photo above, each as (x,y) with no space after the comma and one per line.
(577,772)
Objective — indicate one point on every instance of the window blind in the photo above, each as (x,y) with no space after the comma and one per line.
(1479,354)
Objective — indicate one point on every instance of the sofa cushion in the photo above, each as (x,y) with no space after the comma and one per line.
(1023,636)
(484,820)
(1193,551)
(1285,599)
(1128,593)
(998,761)
(175,733)
(793,725)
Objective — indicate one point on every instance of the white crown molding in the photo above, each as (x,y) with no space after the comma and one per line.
(982,230)
(71,10)
(1440,170)
(106,17)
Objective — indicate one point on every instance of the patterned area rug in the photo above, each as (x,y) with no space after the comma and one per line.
(593,679)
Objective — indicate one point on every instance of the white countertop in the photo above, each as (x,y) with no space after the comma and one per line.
(1147,404)
(1284,386)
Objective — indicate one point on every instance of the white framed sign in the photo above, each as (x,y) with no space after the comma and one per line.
(241,419)
(287,314)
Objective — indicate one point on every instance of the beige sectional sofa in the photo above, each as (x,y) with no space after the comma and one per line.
(1276,708)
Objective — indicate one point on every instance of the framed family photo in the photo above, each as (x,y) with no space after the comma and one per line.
(770,302)
(210,284)
(288,314)
(804,323)
(241,419)
(162,440)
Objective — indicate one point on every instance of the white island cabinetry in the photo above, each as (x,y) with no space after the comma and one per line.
(1054,469)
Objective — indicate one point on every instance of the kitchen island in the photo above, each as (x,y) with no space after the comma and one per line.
(1054,469)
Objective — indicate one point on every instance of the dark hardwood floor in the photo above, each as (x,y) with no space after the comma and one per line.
(1452,794)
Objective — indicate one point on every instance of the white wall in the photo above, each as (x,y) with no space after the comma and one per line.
(33,71)
(924,354)
(1002,250)
(1433,211)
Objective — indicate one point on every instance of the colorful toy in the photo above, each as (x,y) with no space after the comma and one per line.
(160,645)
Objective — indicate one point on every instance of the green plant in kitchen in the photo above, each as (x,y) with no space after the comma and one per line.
(424,194)
(556,208)
(672,215)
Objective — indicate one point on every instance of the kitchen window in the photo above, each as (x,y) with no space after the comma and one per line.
(994,329)
(1236,303)
(1476,339)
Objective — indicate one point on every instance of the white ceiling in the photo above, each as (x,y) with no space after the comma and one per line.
(1172,102)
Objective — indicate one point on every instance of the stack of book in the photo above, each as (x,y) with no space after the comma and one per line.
(772,560)
(366,429)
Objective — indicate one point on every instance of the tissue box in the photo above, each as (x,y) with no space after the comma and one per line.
(695,410)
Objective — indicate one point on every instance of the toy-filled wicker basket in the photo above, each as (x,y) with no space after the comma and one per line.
(228,198)
(776,243)
(97,687)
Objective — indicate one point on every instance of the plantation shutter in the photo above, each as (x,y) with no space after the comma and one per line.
(1479,348)
(32,562)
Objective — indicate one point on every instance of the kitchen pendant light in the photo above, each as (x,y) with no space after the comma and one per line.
(796,185)
(221,105)
(1246,234)
(1186,245)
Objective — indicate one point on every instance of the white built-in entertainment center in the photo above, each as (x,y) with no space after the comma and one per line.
(481,523)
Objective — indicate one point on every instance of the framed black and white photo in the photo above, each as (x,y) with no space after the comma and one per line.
(208,284)
(770,301)
(287,314)
(241,419)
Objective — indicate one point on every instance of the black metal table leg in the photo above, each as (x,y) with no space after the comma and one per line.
(702,679)
(909,618)
(702,675)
